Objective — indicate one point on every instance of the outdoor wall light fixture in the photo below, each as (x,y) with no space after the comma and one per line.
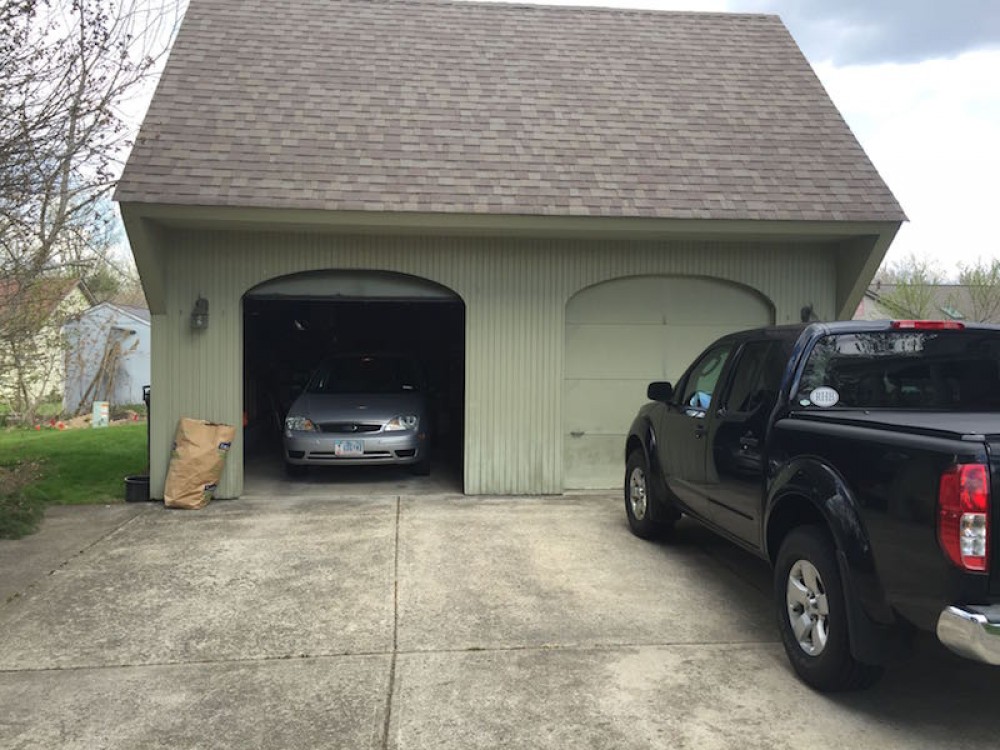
(199,314)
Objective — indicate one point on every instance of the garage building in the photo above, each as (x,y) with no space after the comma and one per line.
(552,205)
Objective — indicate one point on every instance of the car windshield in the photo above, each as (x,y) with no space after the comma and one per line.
(949,370)
(365,374)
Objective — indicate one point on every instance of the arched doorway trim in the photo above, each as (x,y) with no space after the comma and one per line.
(348,285)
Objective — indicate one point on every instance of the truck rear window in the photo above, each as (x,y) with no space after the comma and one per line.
(949,370)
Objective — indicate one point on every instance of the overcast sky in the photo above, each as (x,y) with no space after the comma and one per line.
(919,83)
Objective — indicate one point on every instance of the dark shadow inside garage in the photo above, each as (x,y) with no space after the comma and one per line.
(291,324)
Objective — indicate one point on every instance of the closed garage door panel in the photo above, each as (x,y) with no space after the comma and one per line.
(620,336)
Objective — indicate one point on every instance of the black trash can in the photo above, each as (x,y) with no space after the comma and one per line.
(137,488)
(137,485)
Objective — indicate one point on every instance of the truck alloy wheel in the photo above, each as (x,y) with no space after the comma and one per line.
(808,609)
(637,492)
(812,613)
(645,520)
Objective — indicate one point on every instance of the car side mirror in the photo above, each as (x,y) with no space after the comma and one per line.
(659,391)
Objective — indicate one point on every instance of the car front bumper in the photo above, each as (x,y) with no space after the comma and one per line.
(972,631)
(305,449)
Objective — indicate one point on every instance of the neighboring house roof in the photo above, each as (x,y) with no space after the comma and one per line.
(130,296)
(28,306)
(138,314)
(934,301)
(418,105)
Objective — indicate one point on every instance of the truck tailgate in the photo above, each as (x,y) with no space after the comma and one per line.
(993,447)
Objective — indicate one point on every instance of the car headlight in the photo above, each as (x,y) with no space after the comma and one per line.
(405,422)
(300,424)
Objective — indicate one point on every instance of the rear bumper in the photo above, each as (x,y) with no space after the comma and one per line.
(972,631)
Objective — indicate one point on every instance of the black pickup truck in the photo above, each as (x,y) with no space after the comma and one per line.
(860,459)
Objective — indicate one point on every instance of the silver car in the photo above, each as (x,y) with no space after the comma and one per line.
(360,409)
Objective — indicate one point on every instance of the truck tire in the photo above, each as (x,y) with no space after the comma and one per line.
(812,614)
(643,519)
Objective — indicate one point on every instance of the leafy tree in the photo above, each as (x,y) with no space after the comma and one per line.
(914,288)
(913,280)
(982,282)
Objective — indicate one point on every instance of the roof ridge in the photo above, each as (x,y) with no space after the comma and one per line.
(512,4)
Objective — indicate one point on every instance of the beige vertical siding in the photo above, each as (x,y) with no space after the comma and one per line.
(515,293)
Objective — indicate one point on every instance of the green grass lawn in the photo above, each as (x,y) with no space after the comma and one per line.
(64,467)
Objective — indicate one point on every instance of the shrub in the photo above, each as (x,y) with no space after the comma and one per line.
(19,511)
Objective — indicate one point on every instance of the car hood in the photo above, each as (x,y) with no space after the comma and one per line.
(357,407)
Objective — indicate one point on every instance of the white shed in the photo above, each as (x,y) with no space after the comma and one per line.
(107,356)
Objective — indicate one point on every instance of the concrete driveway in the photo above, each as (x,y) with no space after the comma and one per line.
(423,622)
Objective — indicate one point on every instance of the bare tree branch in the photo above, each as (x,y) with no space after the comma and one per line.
(66,66)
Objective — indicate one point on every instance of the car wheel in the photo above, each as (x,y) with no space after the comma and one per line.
(639,501)
(296,470)
(422,468)
(812,614)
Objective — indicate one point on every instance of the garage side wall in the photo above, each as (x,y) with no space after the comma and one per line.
(515,292)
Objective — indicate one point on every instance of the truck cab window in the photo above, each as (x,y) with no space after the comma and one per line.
(704,377)
(757,377)
(904,370)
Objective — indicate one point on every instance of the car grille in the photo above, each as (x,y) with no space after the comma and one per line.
(347,428)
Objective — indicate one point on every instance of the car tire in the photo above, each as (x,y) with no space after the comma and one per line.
(645,520)
(812,614)
(296,470)
(422,468)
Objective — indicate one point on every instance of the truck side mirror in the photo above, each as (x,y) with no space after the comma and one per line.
(659,391)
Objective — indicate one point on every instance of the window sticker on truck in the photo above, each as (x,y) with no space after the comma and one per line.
(824,396)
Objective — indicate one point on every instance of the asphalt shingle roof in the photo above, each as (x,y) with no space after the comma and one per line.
(419,105)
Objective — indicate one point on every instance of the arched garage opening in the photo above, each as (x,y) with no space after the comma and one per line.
(295,323)
(620,336)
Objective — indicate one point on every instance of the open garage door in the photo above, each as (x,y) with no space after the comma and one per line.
(620,336)
(295,323)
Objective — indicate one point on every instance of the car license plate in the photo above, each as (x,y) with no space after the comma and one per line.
(348,448)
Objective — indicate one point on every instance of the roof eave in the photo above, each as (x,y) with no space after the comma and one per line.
(510,225)
(857,263)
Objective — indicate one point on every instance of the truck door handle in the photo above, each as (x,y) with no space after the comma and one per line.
(699,431)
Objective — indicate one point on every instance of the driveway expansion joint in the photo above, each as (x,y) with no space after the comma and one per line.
(567,648)
(197,662)
(20,594)
(395,630)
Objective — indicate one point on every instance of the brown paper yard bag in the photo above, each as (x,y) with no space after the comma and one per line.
(196,462)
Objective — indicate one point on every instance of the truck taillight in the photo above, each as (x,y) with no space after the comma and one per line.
(928,325)
(963,515)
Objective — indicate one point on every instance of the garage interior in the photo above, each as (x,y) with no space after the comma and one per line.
(292,324)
